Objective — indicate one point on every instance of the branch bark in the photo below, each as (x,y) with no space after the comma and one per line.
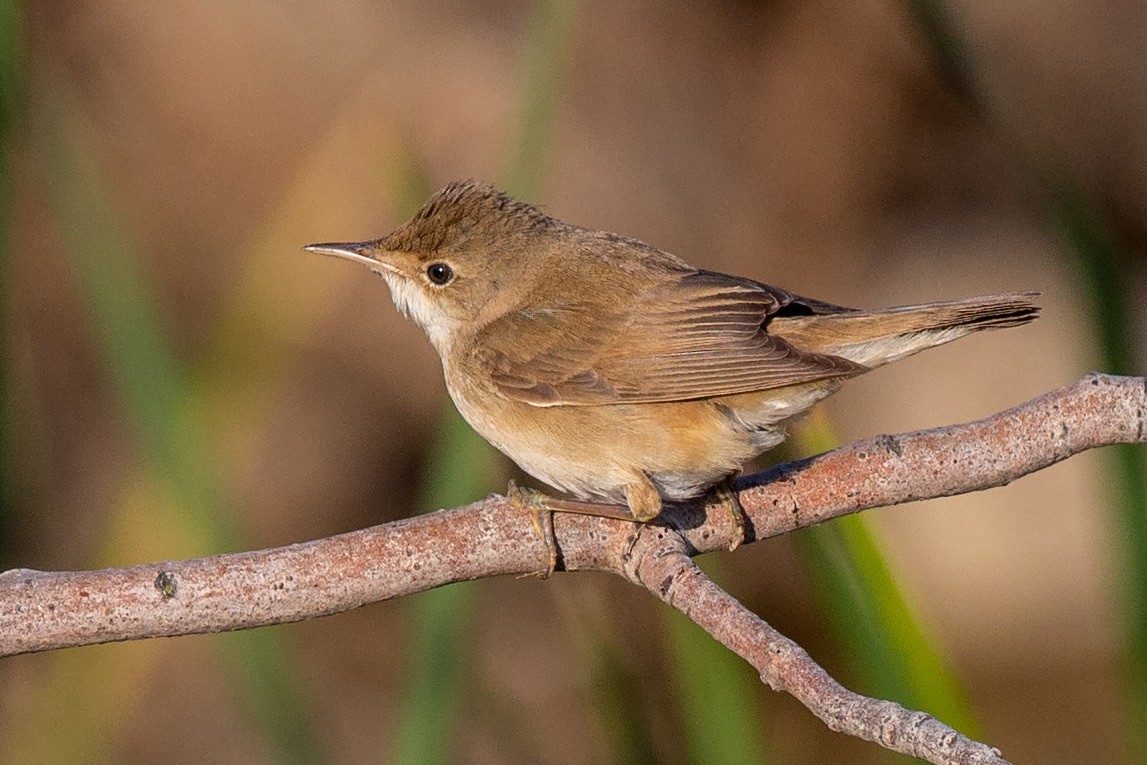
(42,611)
(668,572)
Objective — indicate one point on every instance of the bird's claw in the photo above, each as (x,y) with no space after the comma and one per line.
(727,496)
(534,502)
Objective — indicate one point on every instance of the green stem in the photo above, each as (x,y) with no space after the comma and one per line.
(461,465)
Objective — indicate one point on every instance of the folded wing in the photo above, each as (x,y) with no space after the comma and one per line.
(697,335)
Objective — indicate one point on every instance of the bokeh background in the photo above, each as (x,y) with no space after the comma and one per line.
(179,379)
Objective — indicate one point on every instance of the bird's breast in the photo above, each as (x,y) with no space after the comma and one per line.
(595,451)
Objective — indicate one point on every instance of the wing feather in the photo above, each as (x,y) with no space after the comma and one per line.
(697,335)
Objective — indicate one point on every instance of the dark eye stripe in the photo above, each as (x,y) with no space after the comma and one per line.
(439,273)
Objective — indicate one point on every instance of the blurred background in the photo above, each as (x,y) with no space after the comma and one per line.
(179,379)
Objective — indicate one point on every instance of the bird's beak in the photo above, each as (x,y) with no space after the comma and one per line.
(360,252)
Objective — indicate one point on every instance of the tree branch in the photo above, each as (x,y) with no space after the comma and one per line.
(46,610)
(667,571)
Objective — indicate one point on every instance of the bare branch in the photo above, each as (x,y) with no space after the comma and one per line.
(45,610)
(662,565)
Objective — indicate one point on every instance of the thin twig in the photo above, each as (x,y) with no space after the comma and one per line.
(41,611)
(661,563)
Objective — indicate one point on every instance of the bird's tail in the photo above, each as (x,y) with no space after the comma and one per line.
(873,338)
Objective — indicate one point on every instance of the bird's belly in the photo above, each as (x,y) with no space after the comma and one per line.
(596,451)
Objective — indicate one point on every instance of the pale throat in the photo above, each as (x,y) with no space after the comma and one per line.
(412,303)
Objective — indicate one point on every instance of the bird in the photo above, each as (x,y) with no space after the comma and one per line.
(617,372)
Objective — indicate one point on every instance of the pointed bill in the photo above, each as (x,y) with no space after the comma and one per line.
(360,252)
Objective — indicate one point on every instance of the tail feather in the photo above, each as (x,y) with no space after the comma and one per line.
(873,338)
(992,312)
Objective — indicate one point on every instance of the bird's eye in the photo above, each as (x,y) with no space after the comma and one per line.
(439,273)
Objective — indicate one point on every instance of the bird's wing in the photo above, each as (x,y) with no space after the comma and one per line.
(697,335)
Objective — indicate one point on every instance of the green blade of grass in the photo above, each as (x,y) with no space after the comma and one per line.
(717,692)
(159,404)
(1097,255)
(543,64)
(617,695)
(12,84)
(714,702)
(460,464)
(460,469)
(127,330)
(891,653)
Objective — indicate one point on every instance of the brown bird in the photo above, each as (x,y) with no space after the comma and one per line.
(615,371)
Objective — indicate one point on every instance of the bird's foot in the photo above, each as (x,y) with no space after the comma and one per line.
(537,505)
(542,508)
(727,496)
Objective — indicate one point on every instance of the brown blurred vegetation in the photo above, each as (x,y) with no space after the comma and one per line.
(809,144)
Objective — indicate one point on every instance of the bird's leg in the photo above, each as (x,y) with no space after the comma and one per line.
(643,501)
(727,496)
(534,502)
(542,508)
